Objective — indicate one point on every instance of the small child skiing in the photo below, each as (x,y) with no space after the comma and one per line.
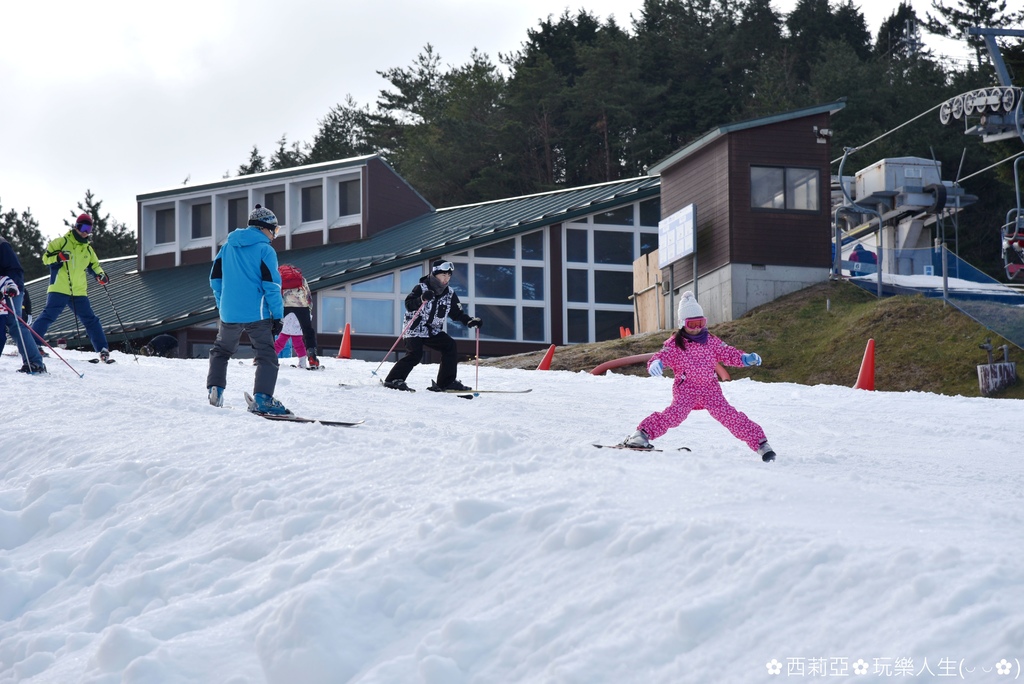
(693,353)
(292,330)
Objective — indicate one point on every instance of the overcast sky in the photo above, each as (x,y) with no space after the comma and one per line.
(126,98)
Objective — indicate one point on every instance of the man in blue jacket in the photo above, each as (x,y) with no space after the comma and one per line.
(10,267)
(247,289)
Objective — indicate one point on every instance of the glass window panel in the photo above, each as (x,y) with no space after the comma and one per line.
(613,247)
(409,278)
(577,288)
(202,221)
(495,281)
(613,287)
(533,324)
(648,242)
(384,283)
(373,316)
(650,212)
(533,246)
(506,249)
(164,226)
(767,189)
(348,198)
(533,283)
(576,245)
(313,203)
(464,255)
(460,280)
(499,321)
(802,189)
(237,214)
(606,324)
(623,216)
(332,314)
(274,201)
(579,325)
(456,329)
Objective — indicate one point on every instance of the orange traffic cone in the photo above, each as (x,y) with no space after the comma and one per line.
(545,363)
(346,343)
(866,377)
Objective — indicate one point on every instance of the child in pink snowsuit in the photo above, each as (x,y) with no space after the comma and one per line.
(693,353)
(292,330)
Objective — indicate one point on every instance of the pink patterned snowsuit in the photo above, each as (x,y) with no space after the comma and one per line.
(696,387)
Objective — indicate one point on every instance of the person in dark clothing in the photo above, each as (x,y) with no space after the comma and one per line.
(430,301)
(162,345)
(15,297)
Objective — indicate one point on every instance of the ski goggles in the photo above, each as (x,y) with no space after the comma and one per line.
(695,323)
(446,267)
(84,228)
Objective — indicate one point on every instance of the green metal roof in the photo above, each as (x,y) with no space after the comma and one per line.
(163,300)
(721,131)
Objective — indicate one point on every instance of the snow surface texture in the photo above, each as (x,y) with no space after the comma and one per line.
(149,537)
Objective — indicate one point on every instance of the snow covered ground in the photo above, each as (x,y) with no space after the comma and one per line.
(149,537)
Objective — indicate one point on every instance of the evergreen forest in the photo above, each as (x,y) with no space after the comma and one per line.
(585,100)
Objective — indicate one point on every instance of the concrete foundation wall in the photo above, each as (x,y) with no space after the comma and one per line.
(731,291)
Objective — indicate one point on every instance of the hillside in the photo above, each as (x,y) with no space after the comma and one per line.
(818,335)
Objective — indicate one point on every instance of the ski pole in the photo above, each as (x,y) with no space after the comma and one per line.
(404,330)
(477,357)
(21,335)
(40,337)
(123,332)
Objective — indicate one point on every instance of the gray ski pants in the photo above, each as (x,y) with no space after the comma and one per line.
(226,345)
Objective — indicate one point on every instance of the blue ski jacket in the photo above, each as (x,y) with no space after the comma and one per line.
(246,284)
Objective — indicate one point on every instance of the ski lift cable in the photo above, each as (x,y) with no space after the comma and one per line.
(889,132)
(1012,156)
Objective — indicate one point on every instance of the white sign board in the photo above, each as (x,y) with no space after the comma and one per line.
(677,236)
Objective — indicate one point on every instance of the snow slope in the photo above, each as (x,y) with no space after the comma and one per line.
(149,537)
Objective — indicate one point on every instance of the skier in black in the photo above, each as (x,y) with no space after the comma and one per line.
(430,301)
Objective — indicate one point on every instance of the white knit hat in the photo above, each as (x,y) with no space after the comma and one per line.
(688,307)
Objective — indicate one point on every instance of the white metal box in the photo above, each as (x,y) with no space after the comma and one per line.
(895,173)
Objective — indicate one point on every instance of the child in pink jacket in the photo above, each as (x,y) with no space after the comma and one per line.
(693,353)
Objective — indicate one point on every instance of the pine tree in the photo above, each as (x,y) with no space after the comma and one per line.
(287,157)
(110,238)
(255,164)
(28,242)
(954,21)
(342,133)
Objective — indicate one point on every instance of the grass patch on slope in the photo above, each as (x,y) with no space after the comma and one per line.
(818,335)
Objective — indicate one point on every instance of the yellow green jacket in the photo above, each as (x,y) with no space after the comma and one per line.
(83,258)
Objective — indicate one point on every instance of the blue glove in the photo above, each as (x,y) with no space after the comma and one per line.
(751,359)
(656,368)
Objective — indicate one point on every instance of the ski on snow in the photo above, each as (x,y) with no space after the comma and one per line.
(98,360)
(628,448)
(299,419)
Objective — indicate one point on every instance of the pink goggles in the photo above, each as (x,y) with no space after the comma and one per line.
(696,322)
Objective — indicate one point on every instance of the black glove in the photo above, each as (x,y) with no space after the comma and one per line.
(427,295)
(63,256)
(474,323)
(103,279)
(276,326)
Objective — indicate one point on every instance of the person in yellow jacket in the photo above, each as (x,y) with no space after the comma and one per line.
(69,257)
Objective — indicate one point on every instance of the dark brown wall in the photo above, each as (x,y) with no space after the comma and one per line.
(344,234)
(779,237)
(388,200)
(557,310)
(312,239)
(196,256)
(717,180)
(165,260)
(703,180)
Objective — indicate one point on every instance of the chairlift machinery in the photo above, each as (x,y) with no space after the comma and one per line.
(996,114)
